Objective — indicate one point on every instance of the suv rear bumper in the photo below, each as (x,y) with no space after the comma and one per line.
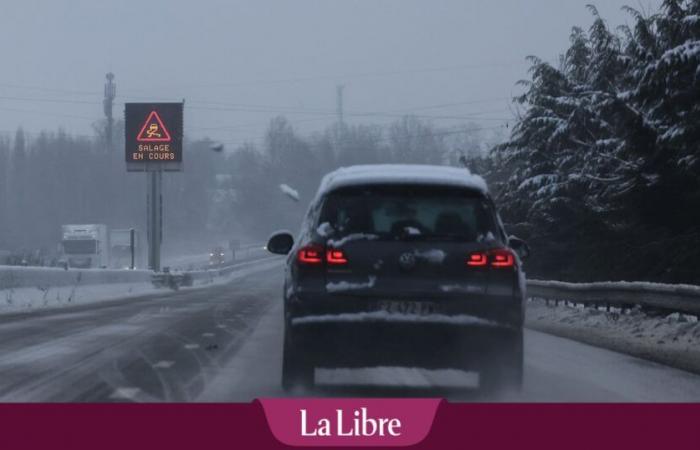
(433,342)
(406,345)
(507,311)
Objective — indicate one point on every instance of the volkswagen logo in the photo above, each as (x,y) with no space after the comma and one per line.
(407,261)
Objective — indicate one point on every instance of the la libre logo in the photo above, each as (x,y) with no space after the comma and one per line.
(359,424)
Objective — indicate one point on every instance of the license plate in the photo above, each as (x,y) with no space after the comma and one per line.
(408,307)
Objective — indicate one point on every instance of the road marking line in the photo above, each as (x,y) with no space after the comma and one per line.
(208,335)
(125,393)
(191,346)
(163,364)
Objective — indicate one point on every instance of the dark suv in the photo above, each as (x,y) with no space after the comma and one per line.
(400,265)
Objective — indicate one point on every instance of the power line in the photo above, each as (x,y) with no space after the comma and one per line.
(258,124)
(45,89)
(384,138)
(47,113)
(33,134)
(458,68)
(449,105)
(49,100)
(325,111)
(261,140)
(247,108)
(333,113)
(327,116)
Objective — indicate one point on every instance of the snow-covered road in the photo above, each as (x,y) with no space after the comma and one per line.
(224,344)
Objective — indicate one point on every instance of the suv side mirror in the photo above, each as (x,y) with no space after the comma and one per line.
(280,243)
(520,247)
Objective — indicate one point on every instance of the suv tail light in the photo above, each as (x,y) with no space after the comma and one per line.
(500,258)
(335,257)
(310,255)
(478,259)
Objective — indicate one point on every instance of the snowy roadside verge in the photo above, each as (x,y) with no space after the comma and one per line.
(14,277)
(25,299)
(673,340)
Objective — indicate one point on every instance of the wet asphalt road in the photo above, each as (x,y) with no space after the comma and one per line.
(223,343)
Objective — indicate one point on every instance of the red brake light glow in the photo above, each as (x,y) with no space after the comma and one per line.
(502,258)
(478,259)
(310,255)
(336,257)
(498,259)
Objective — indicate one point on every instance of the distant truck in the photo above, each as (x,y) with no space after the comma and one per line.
(85,246)
(217,257)
(120,245)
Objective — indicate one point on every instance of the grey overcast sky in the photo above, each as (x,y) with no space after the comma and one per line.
(239,63)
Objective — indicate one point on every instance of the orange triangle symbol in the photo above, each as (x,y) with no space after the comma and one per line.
(153,130)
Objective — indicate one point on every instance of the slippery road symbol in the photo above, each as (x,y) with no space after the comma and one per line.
(153,130)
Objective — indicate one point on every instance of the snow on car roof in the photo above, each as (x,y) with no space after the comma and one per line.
(402,174)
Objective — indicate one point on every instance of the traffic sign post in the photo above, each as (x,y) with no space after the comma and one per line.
(155,218)
(153,145)
(132,248)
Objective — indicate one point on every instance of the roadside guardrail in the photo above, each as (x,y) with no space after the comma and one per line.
(171,280)
(177,279)
(664,298)
(248,250)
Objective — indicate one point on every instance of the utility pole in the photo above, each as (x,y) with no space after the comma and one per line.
(108,102)
(340,125)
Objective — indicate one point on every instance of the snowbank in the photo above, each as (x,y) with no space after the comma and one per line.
(15,277)
(673,339)
(12,277)
(621,286)
(33,298)
(38,296)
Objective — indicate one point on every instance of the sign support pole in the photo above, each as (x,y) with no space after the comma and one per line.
(155,218)
(132,248)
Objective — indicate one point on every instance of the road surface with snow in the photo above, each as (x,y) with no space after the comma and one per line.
(223,343)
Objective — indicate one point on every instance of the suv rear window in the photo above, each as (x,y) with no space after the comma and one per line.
(409,212)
